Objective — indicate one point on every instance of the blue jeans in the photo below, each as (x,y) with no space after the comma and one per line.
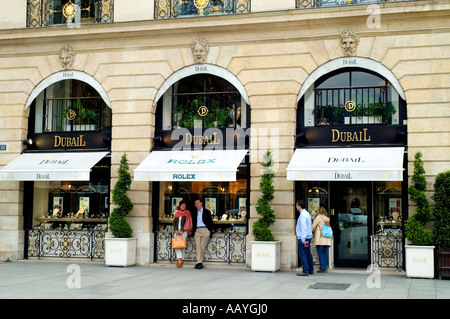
(306,256)
(322,252)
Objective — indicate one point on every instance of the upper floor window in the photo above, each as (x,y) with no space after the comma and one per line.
(69,106)
(352,96)
(180,8)
(56,12)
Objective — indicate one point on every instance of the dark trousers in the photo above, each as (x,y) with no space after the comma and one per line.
(306,256)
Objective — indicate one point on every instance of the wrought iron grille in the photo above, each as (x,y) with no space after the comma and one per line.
(179,8)
(71,12)
(223,247)
(223,110)
(387,251)
(362,105)
(75,114)
(66,243)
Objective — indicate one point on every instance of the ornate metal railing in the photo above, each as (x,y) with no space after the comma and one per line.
(387,251)
(179,8)
(71,12)
(223,247)
(66,243)
(76,114)
(363,105)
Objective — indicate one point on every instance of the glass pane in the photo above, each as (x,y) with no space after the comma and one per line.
(336,81)
(351,208)
(227,201)
(73,204)
(388,208)
(366,79)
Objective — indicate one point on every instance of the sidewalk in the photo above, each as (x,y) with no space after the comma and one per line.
(55,280)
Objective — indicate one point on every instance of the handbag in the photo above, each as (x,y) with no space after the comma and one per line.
(327,231)
(179,242)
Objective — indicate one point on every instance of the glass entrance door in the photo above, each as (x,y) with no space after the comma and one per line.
(350,208)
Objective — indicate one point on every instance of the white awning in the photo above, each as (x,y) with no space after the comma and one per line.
(60,166)
(347,164)
(190,166)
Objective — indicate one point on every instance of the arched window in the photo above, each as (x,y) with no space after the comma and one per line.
(202,101)
(352,96)
(69,106)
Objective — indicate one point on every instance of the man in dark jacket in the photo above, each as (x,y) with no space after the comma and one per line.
(202,230)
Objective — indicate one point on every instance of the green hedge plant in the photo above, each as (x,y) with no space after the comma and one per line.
(441,212)
(414,226)
(261,227)
(118,225)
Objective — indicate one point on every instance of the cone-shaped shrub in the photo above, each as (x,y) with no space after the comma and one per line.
(414,226)
(261,228)
(118,225)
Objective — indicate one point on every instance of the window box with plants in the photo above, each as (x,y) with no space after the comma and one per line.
(419,250)
(120,250)
(266,249)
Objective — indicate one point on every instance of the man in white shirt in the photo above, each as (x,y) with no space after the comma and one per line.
(304,236)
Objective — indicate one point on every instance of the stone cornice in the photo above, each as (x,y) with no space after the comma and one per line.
(289,25)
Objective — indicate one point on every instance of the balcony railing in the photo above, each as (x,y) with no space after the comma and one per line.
(363,105)
(76,114)
(180,8)
(42,13)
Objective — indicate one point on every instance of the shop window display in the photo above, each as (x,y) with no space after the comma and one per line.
(73,205)
(227,202)
(388,208)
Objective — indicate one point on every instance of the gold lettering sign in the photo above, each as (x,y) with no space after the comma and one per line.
(69,141)
(346,136)
(201,140)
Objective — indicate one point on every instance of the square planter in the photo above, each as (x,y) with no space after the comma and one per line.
(266,255)
(419,261)
(120,251)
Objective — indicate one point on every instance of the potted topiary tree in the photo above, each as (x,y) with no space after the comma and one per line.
(265,248)
(441,230)
(120,250)
(419,252)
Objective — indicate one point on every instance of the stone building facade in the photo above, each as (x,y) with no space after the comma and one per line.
(272,53)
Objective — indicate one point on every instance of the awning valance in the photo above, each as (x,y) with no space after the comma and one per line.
(58,166)
(352,164)
(220,165)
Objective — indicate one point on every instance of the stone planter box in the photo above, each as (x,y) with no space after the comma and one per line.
(419,261)
(120,251)
(266,255)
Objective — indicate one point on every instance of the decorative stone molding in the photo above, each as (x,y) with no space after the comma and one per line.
(200,49)
(349,42)
(67,57)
